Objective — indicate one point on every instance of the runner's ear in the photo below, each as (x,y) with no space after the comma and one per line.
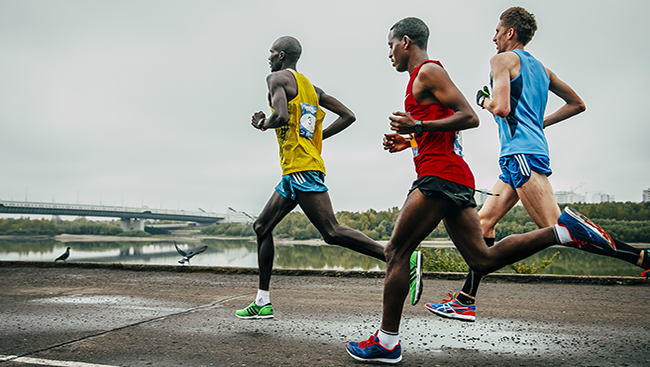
(407,41)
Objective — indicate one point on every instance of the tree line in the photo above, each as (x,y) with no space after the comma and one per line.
(628,222)
(46,227)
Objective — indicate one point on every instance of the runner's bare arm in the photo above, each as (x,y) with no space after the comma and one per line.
(433,80)
(346,116)
(573,103)
(277,83)
(502,66)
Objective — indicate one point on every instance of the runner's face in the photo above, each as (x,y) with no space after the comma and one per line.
(396,53)
(501,37)
(275,62)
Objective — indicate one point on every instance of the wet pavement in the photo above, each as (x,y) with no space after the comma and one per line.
(94,315)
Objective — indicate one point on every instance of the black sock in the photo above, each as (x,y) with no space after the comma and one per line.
(630,254)
(472,282)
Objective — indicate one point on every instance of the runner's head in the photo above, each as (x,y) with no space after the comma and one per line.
(285,52)
(404,34)
(515,24)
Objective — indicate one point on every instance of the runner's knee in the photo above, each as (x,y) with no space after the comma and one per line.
(331,235)
(260,228)
(479,266)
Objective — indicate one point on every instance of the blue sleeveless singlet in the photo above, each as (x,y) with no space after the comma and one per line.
(522,131)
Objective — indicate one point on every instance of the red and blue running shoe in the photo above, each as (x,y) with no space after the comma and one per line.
(451,308)
(586,235)
(371,351)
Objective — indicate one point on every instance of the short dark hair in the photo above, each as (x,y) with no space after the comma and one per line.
(521,21)
(291,47)
(414,28)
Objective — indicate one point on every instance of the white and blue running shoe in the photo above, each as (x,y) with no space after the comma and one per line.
(586,235)
(371,351)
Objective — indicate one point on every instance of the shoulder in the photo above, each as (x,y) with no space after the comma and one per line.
(431,74)
(280,77)
(505,59)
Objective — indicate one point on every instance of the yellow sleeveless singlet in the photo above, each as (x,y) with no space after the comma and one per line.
(300,140)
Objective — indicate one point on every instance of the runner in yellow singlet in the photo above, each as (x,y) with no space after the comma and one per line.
(297,120)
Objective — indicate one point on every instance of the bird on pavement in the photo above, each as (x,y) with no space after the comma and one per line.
(188,255)
(63,257)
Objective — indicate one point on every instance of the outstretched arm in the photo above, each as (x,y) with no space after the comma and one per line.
(573,104)
(346,116)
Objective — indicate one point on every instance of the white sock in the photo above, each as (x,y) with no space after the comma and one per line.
(562,234)
(262,298)
(388,340)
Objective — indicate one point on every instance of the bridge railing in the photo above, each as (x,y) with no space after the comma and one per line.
(106,208)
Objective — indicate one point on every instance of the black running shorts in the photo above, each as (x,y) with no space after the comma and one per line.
(461,195)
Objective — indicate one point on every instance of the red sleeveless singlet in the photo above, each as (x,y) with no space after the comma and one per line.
(435,154)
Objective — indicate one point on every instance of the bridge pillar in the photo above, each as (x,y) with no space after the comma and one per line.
(125,224)
(138,225)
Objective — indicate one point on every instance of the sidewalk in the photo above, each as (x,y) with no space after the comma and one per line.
(102,315)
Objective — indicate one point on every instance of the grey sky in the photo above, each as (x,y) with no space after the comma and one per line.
(149,102)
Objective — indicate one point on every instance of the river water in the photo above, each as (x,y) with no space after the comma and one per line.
(243,253)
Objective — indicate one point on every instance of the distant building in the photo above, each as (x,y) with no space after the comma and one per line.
(569,197)
(601,197)
(480,196)
(646,196)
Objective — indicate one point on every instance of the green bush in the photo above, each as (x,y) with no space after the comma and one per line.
(521,268)
(134,233)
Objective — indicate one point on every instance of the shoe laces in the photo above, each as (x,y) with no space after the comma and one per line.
(646,276)
(373,340)
(452,296)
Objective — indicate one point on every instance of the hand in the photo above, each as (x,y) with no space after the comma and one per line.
(395,143)
(255,120)
(401,122)
(481,95)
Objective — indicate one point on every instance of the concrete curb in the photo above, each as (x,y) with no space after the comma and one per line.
(495,277)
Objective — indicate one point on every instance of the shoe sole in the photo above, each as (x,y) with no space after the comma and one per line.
(593,226)
(382,360)
(418,280)
(453,316)
(254,317)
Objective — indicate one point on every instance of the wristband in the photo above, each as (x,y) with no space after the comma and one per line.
(260,124)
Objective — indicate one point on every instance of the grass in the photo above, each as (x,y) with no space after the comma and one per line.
(449,261)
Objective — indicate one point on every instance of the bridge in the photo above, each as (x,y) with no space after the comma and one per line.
(129,217)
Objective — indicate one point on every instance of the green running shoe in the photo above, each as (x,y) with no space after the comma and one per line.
(254,311)
(416,277)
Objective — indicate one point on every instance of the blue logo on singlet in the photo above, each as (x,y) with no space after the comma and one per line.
(307,120)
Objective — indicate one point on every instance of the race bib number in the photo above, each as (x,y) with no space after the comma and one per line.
(458,145)
(414,146)
(307,120)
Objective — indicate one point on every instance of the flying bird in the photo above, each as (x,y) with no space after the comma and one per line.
(63,257)
(188,255)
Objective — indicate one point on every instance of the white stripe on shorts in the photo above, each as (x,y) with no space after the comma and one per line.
(298,177)
(523,164)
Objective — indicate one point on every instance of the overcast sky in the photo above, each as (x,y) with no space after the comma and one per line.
(149,102)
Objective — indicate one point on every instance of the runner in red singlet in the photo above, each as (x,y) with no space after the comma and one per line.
(436,153)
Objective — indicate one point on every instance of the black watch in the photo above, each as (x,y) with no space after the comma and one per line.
(418,128)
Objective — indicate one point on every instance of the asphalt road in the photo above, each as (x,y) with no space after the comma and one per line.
(72,316)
